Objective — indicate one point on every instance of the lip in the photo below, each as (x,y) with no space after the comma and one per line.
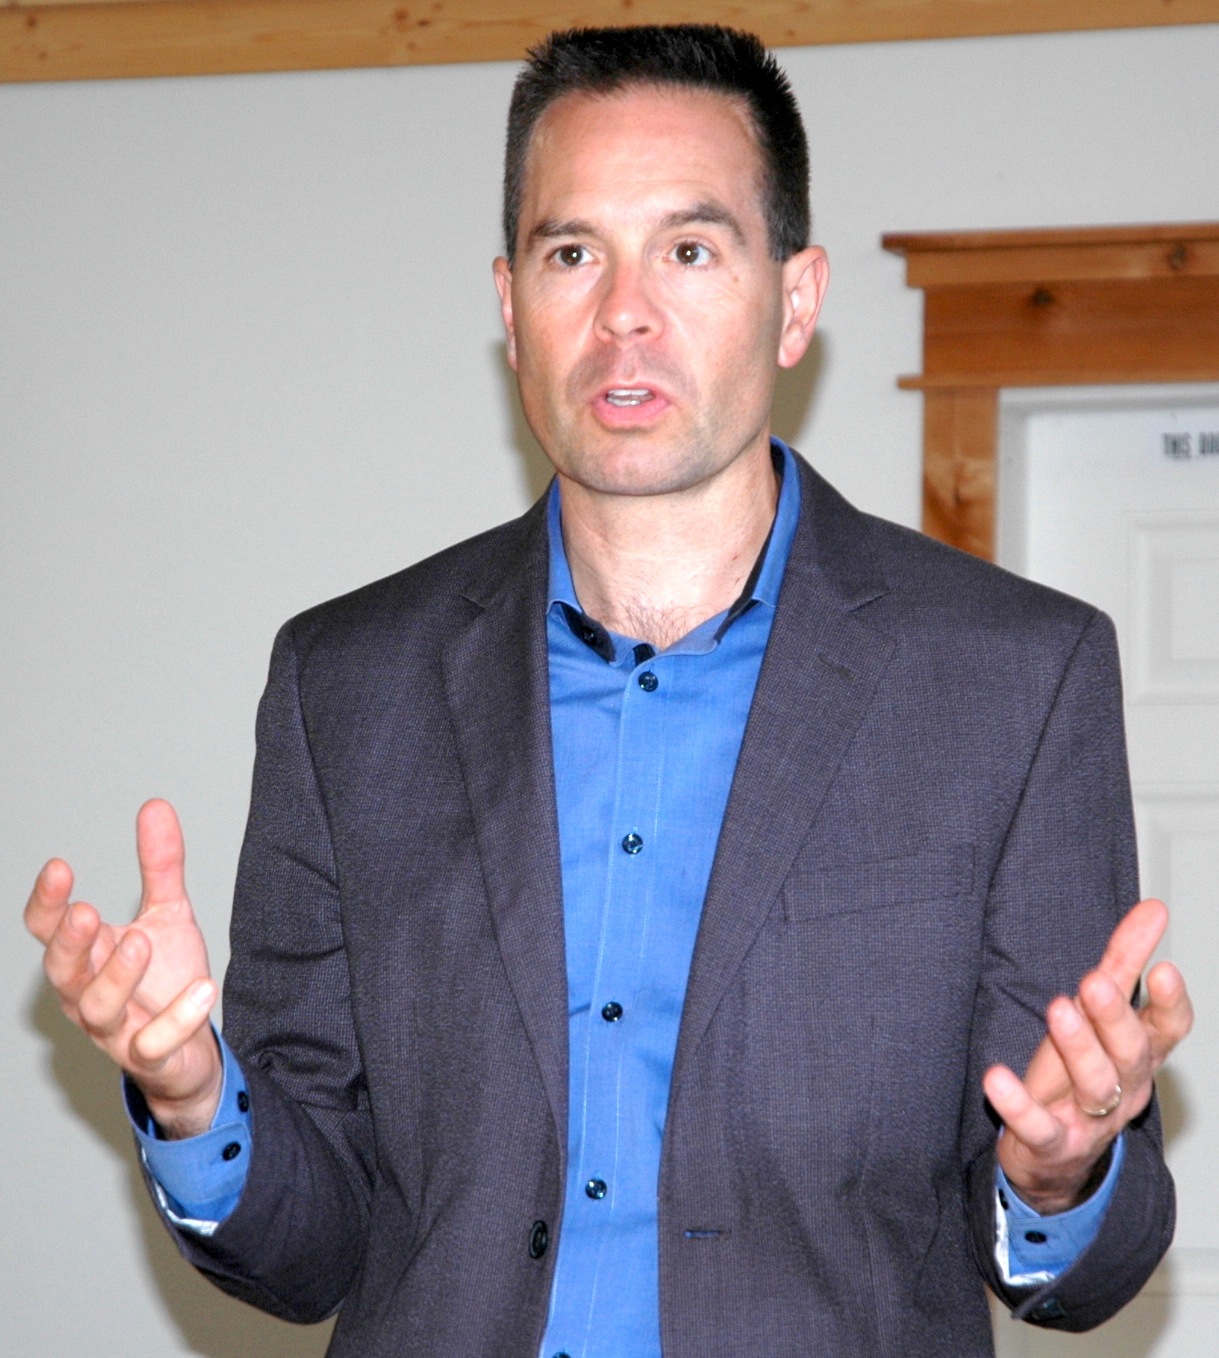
(630,416)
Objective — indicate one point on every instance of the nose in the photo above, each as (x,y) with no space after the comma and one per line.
(627,309)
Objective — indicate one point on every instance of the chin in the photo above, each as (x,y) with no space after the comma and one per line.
(629,462)
(638,475)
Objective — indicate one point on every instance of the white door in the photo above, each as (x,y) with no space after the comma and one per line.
(1112,494)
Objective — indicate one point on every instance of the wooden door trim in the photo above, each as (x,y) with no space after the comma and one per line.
(1054,307)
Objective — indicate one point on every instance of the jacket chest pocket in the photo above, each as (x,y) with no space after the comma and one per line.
(917,883)
(856,1003)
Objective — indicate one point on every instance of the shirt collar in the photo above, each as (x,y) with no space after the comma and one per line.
(762,586)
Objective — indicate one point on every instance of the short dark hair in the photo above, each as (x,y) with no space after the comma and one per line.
(698,56)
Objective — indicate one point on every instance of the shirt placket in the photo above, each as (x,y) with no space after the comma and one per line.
(612,1182)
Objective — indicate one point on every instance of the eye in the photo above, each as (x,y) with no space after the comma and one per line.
(570,256)
(691,252)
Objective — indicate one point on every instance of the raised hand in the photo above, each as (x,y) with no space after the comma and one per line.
(142,991)
(1093,1071)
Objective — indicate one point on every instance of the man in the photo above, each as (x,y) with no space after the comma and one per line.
(645,905)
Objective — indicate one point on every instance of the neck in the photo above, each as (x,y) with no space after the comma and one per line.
(654,567)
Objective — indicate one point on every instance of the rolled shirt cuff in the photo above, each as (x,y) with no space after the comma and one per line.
(198,1181)
(1032,1249)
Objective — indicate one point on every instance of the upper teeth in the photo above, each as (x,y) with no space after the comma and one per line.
(628,396)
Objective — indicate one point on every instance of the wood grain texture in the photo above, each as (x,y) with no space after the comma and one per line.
(1063,307)
(1114,330)
(62,40)
(945,260)
(960,432)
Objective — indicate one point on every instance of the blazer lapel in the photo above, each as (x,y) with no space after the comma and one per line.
(497,683)
(820,672)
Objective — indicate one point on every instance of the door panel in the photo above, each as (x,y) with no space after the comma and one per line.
(1112,494)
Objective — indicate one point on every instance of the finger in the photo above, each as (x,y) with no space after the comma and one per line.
(176,1024)
(162,855)
(1133,942)
(67,961)
(1169,1013)
(1091,1069)
(104,1001)
(1117,1024)
(1045,1076)
(1022,1115)
(48,900)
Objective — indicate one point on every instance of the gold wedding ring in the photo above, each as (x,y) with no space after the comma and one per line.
(1110,1107)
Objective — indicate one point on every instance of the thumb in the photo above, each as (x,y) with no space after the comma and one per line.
(162,855)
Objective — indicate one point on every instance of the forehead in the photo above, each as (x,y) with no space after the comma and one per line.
(640,143)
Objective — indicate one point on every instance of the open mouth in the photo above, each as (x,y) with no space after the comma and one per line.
(628,396)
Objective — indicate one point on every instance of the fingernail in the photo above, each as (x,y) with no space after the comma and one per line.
(201,994)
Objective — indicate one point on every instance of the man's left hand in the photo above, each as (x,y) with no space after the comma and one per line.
(1092,1072)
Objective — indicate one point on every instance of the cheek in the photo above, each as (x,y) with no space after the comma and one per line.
(734,318)
(548,330)
(540,384)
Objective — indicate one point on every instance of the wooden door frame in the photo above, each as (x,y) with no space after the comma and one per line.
(1071,307)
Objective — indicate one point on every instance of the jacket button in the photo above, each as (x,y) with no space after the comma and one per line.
(539,1238)
(1050,1309)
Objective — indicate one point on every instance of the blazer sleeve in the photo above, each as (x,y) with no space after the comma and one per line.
(1066,875)
(296,1240)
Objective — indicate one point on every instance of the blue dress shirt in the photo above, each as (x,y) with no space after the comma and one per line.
(645,748)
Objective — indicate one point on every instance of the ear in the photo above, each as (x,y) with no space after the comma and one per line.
(503,285)
(806,276)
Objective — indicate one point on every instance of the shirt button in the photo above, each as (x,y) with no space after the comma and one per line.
(1035,1237)
(648,682)
(539,1238)
(231,1151)
(632,843)
(243,1102)
(596,1189)
(611,1012)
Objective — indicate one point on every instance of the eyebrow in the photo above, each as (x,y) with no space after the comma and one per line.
(697,214)
(550,229)
(704,213)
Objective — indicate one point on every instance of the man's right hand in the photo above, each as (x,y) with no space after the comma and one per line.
(142,991)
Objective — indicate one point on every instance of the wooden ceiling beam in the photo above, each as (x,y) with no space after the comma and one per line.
(108,39)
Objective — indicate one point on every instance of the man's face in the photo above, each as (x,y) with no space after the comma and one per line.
(644,315)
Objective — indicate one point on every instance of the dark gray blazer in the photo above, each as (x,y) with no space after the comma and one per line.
(929,835)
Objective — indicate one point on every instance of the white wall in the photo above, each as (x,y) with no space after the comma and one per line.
(249,358)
